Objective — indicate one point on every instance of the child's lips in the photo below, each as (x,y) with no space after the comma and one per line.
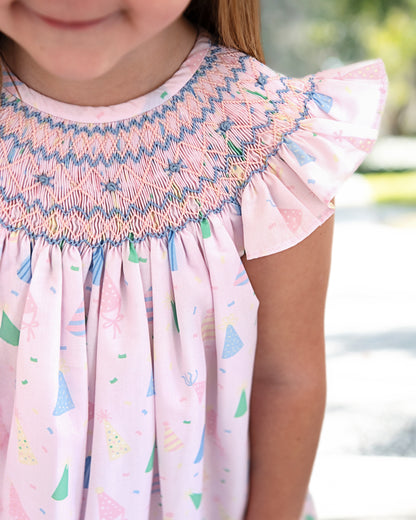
(70,24)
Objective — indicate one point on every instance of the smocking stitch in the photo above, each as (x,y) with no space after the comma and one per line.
(135,179)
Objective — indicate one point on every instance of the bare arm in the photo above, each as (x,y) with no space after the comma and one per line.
(289,383)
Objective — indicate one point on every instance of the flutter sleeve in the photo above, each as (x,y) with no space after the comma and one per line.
(320,128)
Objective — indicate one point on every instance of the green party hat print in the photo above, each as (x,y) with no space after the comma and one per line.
(61,491)
(242,405)
(8,331)
(150,463)
(205,228)
(133,256)
(196,499)
(175,316)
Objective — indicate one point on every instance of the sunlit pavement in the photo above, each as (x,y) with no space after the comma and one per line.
(366,463)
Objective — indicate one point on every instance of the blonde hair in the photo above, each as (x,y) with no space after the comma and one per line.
(233,23)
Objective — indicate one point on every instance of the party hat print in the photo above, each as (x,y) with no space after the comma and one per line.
(365,145)
(115,443)
(205,228)
(108,508)
(133,256)
(77,324)
(175,316)
(208,330)
(30,310)
(211,428)
(371,71)
(172,252)
(4,433)
(323,101)
(196,499)
(110,304)
(64,401)
(16,511)
(148,298)
(211,422)
(25,270)
(97,263)
(110,297)
(171,440)
(300,154)
(241,278)
(232,343)
(199,389)
(201,448)
(155,483)
(61,491)
(149,466)
(8,331)
(87,469)
(293,218)
(26,455)
(151,388)
(242,405)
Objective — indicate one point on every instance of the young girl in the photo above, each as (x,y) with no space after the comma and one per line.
(166,223)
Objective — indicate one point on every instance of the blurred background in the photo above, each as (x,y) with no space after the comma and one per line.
(366,463)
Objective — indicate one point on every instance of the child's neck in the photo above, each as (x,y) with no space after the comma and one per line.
(138,73)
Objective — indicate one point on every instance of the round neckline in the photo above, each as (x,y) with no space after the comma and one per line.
(118,112)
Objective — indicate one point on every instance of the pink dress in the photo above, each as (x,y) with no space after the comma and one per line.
(128,323)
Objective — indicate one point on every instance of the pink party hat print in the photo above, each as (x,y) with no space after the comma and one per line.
(31,309)
(110,305)
(293,218)
(108,508)
(4,434)
(199,389)
(371,71)
(365,145)
(211,427)
(16,510)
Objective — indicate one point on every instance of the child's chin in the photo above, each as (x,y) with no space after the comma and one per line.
(77,68)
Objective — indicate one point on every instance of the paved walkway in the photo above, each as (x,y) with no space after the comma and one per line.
(366,464)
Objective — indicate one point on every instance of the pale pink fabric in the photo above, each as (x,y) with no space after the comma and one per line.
(126,370)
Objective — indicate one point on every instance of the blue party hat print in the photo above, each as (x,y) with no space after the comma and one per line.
(64,402)
(151,389)
(201,448)
(232,343)
(25,271)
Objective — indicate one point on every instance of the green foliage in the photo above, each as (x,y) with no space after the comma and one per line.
(393,188)
(325,33)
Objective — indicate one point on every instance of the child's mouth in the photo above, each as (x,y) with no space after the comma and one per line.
(70,24)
